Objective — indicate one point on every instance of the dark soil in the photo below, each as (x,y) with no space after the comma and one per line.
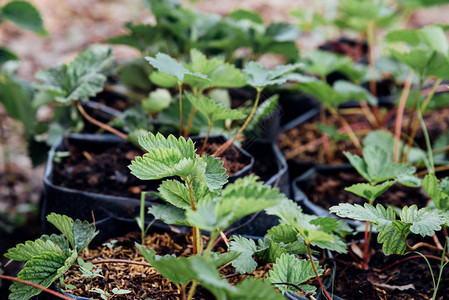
(113,100)
(293,141)
(410,279)
(306,133)
(144,281)
(105,171)
(356,50)
(327,190)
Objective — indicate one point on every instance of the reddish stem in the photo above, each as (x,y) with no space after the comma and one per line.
(316,273)
(400,115)
(54,293)
(366,247)
(408,258)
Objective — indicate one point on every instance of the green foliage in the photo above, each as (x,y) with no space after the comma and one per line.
(80,79)
(263,111)
(438,192)
(157,101)
(358,15)
(246,248)
(169,65)
(322,63)
(368,191)
(332,132)
(385,140)
(377,165)
(237,200)
(49,257)
(334,96)
(313,230)
(259,77)
(212,110)
(23,14)
(288,268)
(181,270)
(393,232)
(424,50)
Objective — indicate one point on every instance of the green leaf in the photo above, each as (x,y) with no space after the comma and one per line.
(219,73)
(16,98)
(134,75)
(78,80)
(25,252)
(288,268)
(377,165)
(259,77)
(176,193)
(141,37)
(332,132)
(25,15)
(83,234)
(215,177)
(378,214)
(392,236)
(212,110)
(432,187)
(64,224)
(241,14)
(368,191)
(290,213)
(326,224)
(323,63)
(424,221)
(255,290)
(7,55)
(151,142)
(263,111)
(246,248)
(282,233)
(43,269)
(168,65)
(169,214)
(162,79)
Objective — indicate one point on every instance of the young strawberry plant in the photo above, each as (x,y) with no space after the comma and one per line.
(70,84)
(49,257)
(196,199)
(425,51)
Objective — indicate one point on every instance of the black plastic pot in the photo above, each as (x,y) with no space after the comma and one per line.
(81,204)
(301,183)
(271,167)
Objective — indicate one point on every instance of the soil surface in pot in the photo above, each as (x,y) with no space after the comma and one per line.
(106,172)
(144,281)
(356,50)
(329,190)
(409,279)
(304,142)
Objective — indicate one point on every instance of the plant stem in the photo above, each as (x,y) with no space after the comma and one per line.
(348,128)
(226,145)
(54,293)
(192,290)
(197,94)
(180,108)
(196,235)
(120,261)
(371,38)
(406,259)
(435,170)
(213,238)
(366,247)
(316,273)
(423,244)
(207,138)
(142,217)
(190,121)
(400,115)
(415,124)
(326,141)
(100,124)
(412,115)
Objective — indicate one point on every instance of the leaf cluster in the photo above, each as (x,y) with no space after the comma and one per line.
(49,257)
(393,227)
